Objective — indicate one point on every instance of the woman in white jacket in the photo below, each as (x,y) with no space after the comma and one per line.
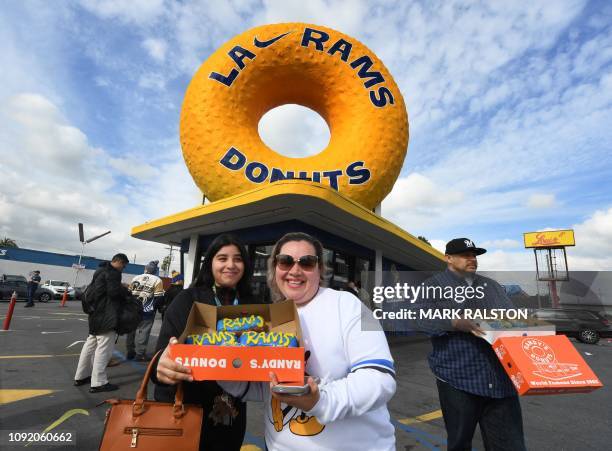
(347,409)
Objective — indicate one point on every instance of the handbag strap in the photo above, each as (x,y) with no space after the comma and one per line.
(141,396)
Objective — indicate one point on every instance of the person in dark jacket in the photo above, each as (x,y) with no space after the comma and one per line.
(97,351)
(473,386)
(33,282)
(225,279)
(176,286)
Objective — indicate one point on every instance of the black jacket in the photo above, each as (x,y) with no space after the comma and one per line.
(172,291)
(109,295)
(207,393)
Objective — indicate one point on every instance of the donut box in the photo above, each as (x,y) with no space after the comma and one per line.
(239,363)
(545,365)
(513,328)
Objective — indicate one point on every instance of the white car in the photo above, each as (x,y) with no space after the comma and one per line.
(54,289)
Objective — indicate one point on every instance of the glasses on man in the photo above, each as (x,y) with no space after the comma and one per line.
(306,262)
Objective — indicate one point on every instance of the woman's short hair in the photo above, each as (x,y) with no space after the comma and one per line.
(205,276)
(292,236)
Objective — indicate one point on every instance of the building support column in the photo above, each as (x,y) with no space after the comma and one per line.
(190,263)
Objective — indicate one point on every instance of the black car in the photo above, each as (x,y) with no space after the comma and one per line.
(10,285)
(585,325)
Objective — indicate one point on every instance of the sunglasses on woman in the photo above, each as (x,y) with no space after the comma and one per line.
(306,262)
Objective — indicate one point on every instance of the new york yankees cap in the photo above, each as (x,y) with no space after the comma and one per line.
(459,245)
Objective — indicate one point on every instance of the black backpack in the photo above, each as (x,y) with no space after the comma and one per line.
(88,299)
(130,315)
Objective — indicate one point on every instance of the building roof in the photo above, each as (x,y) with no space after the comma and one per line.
(310,203)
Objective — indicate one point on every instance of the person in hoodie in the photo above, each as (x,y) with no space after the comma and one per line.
(176,286)
(98,348)
(149,288)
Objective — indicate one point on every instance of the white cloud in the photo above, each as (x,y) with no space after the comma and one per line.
(419,192)
(541,201)
(439,245)
(593,250)
(506,261)
(593,242)
(41,133)
(133,11)
(136,168)
(416,201)
(102,81)
(505,243)
(294,131)
(505,100)
(157,48)
(68,181)
(152,81)
(345,15)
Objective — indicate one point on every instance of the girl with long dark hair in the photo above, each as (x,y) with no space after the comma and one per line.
(224,279)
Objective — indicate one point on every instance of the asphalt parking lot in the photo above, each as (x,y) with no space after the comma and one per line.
(40,352)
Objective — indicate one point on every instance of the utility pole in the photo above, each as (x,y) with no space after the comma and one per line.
(169,257)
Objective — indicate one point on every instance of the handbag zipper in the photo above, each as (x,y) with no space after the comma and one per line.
(151,431)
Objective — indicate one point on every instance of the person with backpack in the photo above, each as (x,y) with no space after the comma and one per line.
(149,289)
(102,302)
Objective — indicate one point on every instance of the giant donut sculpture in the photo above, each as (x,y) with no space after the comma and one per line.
(322,69)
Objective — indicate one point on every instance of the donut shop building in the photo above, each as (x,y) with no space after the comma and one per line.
(258,194)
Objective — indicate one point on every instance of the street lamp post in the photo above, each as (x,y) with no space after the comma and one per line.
(83,243)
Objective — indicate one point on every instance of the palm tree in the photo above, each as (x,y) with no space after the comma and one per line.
(7,242)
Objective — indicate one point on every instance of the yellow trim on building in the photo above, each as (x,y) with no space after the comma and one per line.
(286,188)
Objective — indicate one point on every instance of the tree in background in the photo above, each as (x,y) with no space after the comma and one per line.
(424,240)
(7,242)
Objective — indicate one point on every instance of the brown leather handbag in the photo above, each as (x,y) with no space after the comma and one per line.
(151,425)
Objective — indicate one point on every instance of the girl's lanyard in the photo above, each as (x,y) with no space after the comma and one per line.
(217,301)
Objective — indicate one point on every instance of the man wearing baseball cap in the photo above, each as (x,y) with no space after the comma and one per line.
(472,385)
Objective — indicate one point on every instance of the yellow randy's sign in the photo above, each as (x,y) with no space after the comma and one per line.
(549,238)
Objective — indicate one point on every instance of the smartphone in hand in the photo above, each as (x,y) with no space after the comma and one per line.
(293,389)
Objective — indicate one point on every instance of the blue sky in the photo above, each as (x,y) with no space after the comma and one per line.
(510,109)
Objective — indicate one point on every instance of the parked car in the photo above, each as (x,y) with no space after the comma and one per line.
(606,315)
(53,289)
(585,325)
(6,277)
(11,283)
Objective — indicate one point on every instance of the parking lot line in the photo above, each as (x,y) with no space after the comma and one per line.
(422,418)
(424,438)
(11,395)
(36,356)
(70,313)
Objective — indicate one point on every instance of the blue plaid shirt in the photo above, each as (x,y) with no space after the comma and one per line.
(461,359)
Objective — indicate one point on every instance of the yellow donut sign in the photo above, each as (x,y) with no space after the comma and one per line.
(322,69)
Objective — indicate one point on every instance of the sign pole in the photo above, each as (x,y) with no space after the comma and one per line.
(76,273)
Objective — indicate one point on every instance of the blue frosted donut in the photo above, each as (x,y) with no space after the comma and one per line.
(240,324)
(280,339)
(214,338)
